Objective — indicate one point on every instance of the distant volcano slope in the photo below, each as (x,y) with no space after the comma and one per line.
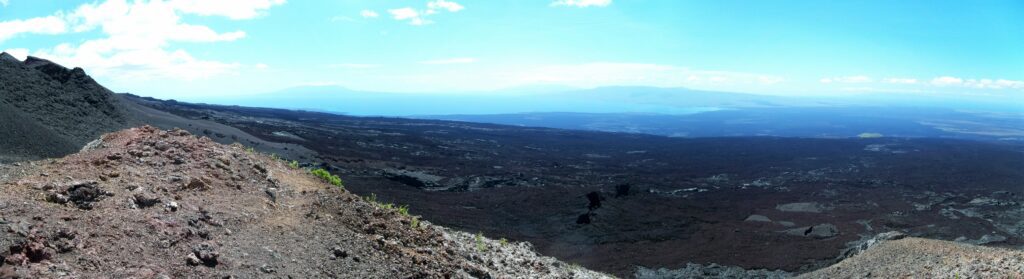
(48,110)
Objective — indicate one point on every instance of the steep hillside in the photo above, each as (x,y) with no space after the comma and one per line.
(48,110)
(57,109)
(147,203)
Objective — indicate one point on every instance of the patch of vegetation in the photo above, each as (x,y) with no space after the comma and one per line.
(404,210)
(293,164)
(480,246)
(250,150)
(327,176)
(372,198)
(415,224)
(504,242)
(274,156)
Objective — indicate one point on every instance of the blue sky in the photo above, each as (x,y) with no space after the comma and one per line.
(191,49)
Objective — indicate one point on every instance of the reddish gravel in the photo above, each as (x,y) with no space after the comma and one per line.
(147,203)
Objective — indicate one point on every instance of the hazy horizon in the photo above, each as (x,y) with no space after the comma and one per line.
(178,50)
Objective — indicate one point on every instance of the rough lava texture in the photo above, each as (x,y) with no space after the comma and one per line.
(148,203)
(47,110)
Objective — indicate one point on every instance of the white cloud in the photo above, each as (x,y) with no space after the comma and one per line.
(982,83)
(138,36)
(4,3)
(261,66)
(460,60)
(434,6)
(947,81)
(900,80)
(232,9)
(922,85)
(847,79)
(582,3)
(410,14)
(50,25)
(417,17)
(20,53)
(368,14)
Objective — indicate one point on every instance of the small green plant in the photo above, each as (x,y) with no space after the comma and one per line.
(327,176)
(274,156)
(415,224)
(250,149)
(372,198)
(293,164)
(504,242)
(404,210)
(387,206)
(480,246)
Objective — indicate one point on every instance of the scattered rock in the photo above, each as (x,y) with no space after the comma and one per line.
(143,200)
(206,254)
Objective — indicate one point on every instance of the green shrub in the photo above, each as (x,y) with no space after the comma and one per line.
(293,164)
(372,198)
(327,176)
(404,210)
(480,246)
(504,241)
(415,223)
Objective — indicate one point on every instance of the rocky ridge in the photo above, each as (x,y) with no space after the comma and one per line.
(150,203)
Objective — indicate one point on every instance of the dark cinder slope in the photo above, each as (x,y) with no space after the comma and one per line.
(48,110)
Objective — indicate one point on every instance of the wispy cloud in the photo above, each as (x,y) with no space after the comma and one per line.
(136,36)
(50,25)
(900,80)
(368,14)
(418,17)
(460,60)
(947,81)
(434,6)
(903,84)
(982,83)
(582,3)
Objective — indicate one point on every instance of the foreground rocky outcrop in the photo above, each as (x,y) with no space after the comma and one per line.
(892,255)
(148,203)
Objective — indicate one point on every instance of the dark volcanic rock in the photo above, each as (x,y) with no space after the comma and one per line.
(48,110)
(595,200)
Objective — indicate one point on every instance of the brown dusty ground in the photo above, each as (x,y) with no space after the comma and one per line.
(145,203)
(927,258)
